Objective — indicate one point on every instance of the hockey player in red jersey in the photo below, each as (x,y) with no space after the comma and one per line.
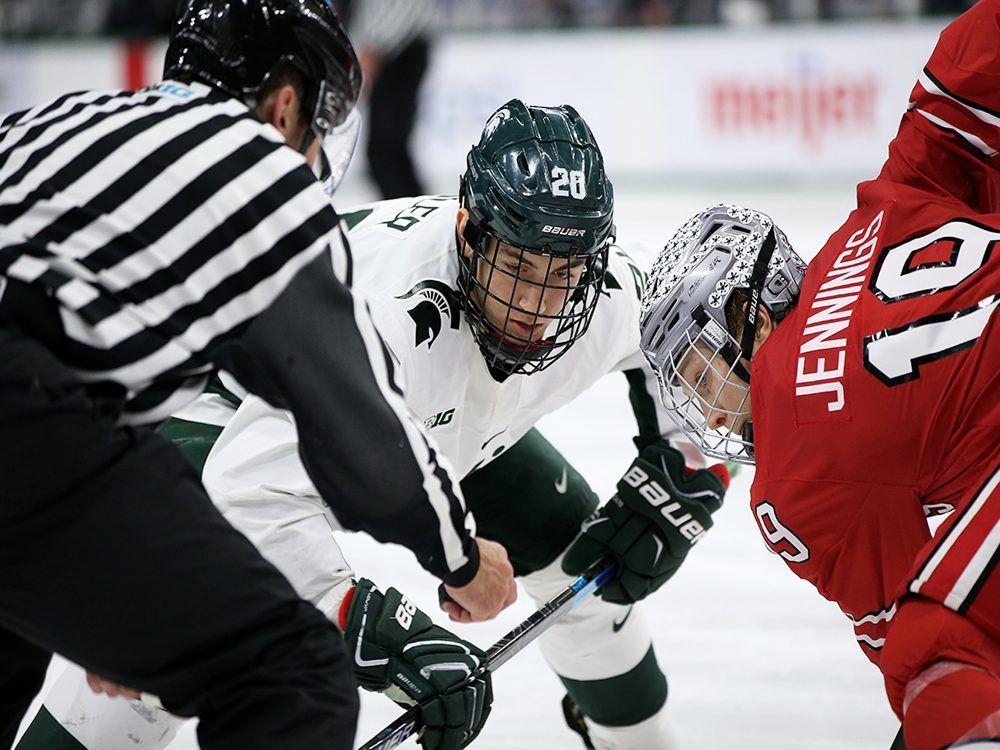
(874,380)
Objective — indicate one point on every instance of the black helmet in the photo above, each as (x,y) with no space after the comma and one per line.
(535,182)
(234,45)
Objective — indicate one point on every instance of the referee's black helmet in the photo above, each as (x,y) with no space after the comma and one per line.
(235,45)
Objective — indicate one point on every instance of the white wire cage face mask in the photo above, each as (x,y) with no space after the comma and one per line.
(701,368)
(703,394)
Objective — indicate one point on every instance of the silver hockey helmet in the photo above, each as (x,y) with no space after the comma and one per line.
(701,365)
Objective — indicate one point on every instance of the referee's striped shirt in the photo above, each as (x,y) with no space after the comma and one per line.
(159,223)
(160,220)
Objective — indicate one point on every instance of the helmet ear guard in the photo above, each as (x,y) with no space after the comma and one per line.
(474,233)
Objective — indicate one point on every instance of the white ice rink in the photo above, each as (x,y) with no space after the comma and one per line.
(755,659)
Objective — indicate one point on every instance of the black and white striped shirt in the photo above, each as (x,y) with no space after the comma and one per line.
(160,221)
(387,26)
(152,228)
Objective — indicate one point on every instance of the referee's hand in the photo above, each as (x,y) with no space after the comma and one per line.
(489,593)
(111,689)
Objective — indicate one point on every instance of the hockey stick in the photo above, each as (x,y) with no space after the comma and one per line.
(513,642)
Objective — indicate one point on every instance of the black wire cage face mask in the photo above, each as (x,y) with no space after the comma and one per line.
(526,307)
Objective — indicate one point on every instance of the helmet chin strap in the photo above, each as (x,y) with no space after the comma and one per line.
(308,139)
(747,434)
(757,278)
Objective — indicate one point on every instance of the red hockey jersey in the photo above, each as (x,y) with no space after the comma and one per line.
(877,400)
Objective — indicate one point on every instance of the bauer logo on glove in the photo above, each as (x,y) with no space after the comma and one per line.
(661,511)
(650,489)
(398,650)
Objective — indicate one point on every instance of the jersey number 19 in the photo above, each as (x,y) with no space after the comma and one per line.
(894,355)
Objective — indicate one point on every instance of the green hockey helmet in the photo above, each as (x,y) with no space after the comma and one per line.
(535,245)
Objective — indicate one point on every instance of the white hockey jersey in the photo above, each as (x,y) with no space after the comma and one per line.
(405,264)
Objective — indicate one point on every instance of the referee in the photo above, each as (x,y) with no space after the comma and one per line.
(146,239)
(393,38)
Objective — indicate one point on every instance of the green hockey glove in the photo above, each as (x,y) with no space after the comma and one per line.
(399,651)
(661,511)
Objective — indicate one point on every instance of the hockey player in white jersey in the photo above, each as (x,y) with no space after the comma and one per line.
(498,307)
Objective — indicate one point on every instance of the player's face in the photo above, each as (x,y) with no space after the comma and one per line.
(708,380)
(521,293)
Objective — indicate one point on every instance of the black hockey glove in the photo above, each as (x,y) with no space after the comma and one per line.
(661,511)
(399,651)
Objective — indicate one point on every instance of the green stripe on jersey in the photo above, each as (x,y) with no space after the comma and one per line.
(644,407)
(215,386)
(195,439)
(353,218)
(45,733)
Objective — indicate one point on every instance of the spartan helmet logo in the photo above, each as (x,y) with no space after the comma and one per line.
(436,303)
(498,118)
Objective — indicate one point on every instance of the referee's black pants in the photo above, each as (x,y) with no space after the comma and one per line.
(112,555)
(392,114)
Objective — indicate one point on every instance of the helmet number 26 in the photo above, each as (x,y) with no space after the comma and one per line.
(568,182)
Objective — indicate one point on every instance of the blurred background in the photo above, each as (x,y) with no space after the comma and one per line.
(678,92)
(75,18)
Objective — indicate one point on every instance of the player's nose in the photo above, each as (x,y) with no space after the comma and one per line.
(718,420)
(530,298)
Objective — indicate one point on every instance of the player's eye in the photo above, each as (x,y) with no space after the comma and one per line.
(700,383)
(512,267)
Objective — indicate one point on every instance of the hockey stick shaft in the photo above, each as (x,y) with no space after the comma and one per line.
(513,642)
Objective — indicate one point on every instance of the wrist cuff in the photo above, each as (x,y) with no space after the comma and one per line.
(345,608)
(464,575)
